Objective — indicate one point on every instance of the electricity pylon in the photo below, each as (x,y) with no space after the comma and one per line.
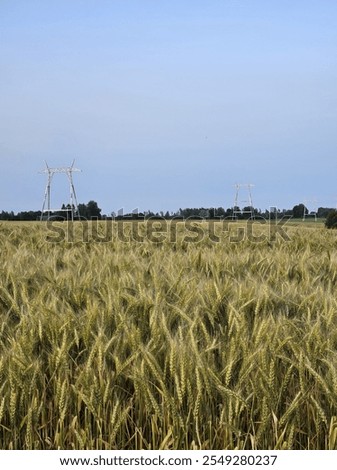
(248,206)
(68,171)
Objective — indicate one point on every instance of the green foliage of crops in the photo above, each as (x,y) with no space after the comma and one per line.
(169,345)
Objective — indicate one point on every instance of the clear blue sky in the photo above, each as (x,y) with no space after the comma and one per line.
(168,103)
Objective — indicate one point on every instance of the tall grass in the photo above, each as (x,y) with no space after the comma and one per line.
(168,345)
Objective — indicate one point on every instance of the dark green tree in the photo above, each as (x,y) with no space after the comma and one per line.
(90,210)
(299,211)
(324,211)
(331,220)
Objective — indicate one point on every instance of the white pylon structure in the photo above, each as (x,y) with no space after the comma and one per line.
(248,203)
(72,206)
(313,212)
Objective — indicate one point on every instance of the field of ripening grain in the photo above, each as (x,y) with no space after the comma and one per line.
(173,344)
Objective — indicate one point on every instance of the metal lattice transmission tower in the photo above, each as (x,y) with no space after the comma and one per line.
(248,203)
(73,205)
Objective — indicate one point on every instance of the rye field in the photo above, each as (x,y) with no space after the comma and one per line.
(163,342)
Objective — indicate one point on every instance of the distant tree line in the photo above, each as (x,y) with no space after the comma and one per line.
(92,211)
(26,215)
(87,211)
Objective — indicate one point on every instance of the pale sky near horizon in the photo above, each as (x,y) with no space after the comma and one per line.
(167,104)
